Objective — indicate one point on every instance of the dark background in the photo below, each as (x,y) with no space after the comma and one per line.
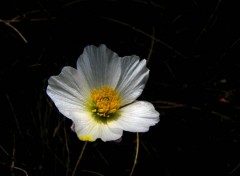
(193,51)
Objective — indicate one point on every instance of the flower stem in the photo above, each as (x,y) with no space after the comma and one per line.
(79,158)
(136,155)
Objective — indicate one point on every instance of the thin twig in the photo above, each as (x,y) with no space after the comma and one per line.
(15,29)
(67,150)
(172,105)
(4,151)
(235,168)
(136,155)
(13,156)
(13,153)
(102,157)
(147,35)
(79,158)
(17,19)
(210,20)
(92,172)
(18,168)
(14,114)
(168,104)
(152,44)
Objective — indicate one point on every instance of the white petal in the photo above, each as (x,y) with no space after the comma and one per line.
(100,65)
(87,128)
(68,91)
(137,117)
(133,78)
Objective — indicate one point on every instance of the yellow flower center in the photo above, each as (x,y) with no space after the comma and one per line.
(105,102)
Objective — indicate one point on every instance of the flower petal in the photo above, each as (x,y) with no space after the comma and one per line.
(100,65)
(133,78)
(68,90)
(89,129)
(137,117)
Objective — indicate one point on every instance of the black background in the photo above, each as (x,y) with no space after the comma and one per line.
(193,50)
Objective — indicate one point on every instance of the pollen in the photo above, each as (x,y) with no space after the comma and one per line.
(105,101)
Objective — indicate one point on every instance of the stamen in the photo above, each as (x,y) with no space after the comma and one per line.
(104,102)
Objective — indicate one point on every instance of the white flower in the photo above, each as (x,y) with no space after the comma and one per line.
(99,96)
